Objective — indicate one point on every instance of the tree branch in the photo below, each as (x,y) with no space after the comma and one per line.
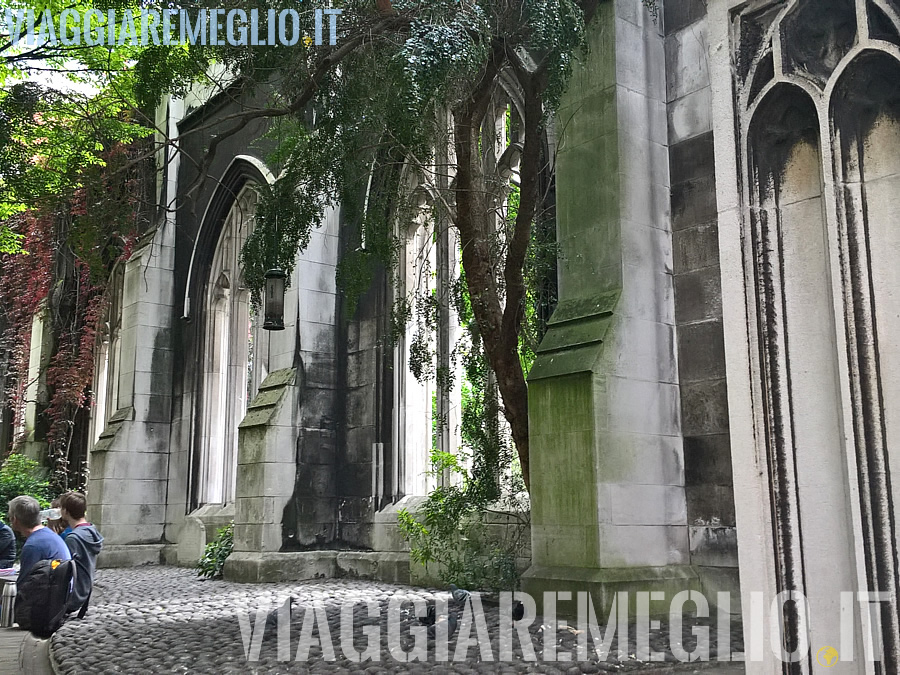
(323,68)
(529,171)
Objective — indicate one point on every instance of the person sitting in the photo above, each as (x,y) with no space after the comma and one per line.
(84,543)
(7,546)
(41,543)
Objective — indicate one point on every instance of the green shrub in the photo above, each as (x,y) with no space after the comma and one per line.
(452,532)
(212,564)
(20,475)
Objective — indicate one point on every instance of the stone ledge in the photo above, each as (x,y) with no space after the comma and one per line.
(575,335)
(268,567)
(302,566)
(279,378)
(123,415)
(387,567)
(108,435)
(263,407)
(130,555)
(585,308)
(604,583)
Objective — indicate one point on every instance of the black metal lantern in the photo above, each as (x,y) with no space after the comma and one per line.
(274,300)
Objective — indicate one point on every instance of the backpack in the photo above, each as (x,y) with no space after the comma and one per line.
(42,595)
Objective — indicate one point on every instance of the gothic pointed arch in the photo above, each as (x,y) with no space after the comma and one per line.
(230,373)
(817,113)
(242,171)
(219,308)
(797,360)
(865,114)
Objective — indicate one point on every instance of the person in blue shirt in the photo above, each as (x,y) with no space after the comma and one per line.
(7,546)
(41,543)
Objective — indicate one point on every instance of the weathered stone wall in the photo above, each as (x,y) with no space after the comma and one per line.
(500,527)
(306,344)
(310,517)
(199,221)
(698,301)
(364,476)
(129,464)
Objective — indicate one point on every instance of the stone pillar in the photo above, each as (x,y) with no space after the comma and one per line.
(36,396)
(607,480)
(129,464)
(267,446)
(129,482)
(698,304)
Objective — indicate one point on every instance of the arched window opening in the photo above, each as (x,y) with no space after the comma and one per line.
(429,411)
(106,369)
(799,353)
(233,362)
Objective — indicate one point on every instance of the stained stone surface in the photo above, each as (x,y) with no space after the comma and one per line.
(166,620)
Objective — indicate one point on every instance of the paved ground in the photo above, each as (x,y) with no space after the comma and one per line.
(166,620)
(10,642)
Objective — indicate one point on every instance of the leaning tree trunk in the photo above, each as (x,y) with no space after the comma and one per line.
(499,323)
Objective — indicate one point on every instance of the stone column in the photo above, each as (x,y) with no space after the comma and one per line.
(129,483)
(267,442)
(36,395)
(608,504)
(129,464)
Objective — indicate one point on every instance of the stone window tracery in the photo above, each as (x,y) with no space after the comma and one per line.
(232,371)
(817,102)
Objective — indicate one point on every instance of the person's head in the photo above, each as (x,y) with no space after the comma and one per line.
(73,505)
(59,524)
(24,515)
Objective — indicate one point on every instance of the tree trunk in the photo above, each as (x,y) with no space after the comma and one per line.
(499,328)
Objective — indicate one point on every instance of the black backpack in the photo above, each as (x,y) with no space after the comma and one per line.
(42,595)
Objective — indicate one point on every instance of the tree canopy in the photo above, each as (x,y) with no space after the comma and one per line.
(62,107)
(410,107)
(403,104)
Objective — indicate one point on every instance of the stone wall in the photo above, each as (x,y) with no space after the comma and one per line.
(129,464)
(364,476)
(500,526)
(199,221)
(698,304)
(310,516)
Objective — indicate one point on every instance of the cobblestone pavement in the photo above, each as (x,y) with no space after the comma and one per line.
(166,620)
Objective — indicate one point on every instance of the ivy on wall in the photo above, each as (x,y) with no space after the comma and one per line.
(71,247)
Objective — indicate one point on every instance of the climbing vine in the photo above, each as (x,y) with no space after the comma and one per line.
(72,245)
(24,284)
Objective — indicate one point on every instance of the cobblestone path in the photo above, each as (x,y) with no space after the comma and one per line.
(166,620)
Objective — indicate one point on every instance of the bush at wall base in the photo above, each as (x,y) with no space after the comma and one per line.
(212,564)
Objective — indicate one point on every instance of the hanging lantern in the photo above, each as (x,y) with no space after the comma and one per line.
(274,300)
